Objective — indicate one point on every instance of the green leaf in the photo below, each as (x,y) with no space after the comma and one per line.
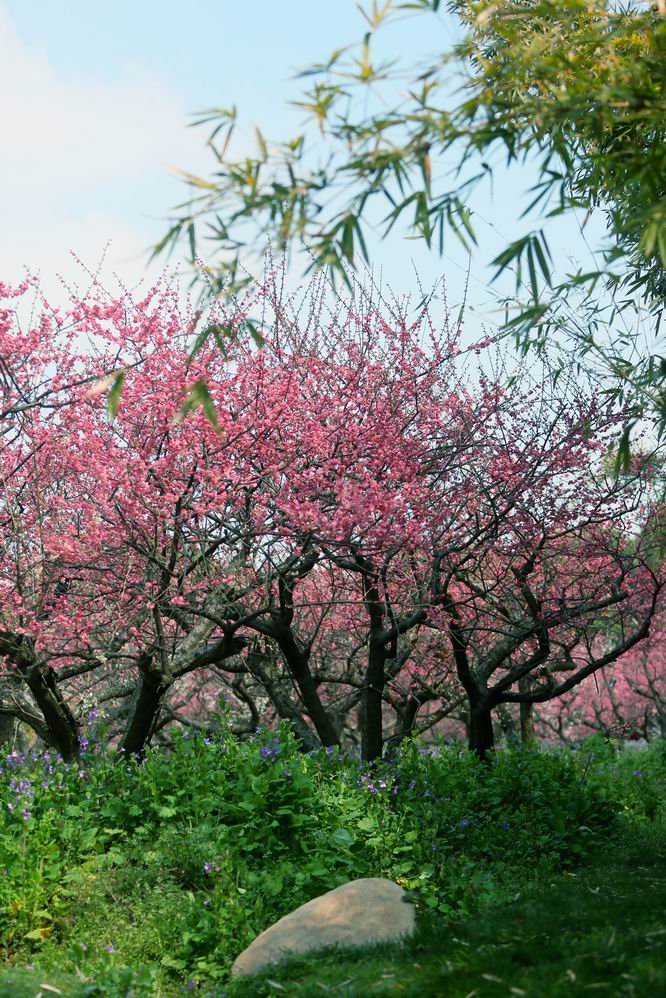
(113,400)
(534,287)
(661,242)
(199,396)
(341,838)
(465,216)
(254,333)
(261,142)
(361,240)
(218,332)
(170,237)
(541,256)
(347,240)
(649,238)
(39,934)
(623,456)
(513,252)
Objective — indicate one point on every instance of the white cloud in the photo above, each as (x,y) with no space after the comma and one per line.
(50,249)
(83,161)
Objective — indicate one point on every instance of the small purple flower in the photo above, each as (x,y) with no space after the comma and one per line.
(208,868)
(637,772)
(270,751)
(110,948)
(464,823)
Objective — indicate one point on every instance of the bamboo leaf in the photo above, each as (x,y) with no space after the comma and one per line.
(219,334)
(541,256)
(113,400)
(199,396)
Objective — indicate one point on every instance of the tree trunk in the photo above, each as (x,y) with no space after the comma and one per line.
(147,705)
(299,666)
(60,729)
(283,704)
(61,724)
(527,734)
(481,735)
(372,739)
(7,730)
(407,723)
(507,723)
(143,719)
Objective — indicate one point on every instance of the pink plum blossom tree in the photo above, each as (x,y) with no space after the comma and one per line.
(354,525)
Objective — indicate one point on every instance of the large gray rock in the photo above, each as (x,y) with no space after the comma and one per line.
(371,910)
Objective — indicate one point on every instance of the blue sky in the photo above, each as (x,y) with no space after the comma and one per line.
(99,99)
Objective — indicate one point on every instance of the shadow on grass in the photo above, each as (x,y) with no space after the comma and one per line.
(600,931)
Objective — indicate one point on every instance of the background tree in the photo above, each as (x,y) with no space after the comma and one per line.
(627,700)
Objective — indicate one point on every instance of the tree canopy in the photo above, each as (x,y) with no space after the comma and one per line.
(374,532)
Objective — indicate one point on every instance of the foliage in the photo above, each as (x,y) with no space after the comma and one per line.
(176,863)
(572,86)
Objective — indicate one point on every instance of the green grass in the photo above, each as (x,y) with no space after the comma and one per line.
(26,983)
(601,931)
(542,873)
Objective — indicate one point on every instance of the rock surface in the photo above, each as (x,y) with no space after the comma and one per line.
(371,910)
